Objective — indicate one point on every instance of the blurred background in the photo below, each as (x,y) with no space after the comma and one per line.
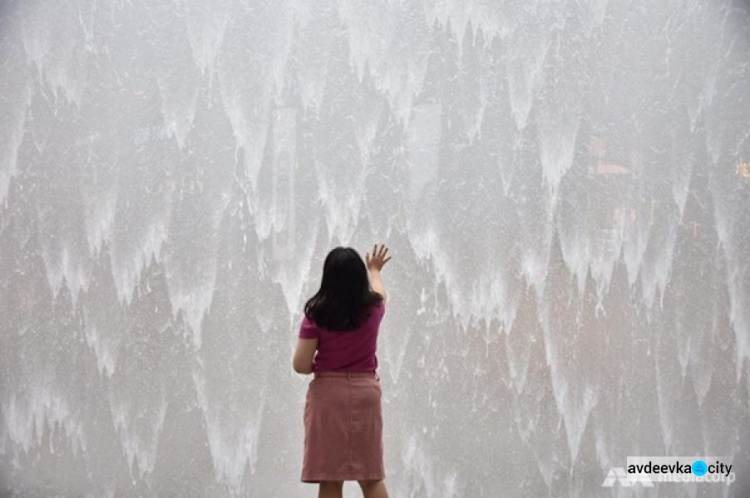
(564,187)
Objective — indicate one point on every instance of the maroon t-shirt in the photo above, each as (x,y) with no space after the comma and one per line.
(346,351)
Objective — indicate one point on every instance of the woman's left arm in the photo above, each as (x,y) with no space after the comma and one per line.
(304,356)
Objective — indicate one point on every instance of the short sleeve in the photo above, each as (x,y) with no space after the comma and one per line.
(308,330)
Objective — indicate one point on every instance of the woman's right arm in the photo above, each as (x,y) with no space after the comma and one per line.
(377,282)
(375,264)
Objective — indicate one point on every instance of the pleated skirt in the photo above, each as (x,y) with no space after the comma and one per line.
(343,422)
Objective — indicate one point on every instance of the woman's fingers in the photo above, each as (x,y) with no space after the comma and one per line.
(377,253)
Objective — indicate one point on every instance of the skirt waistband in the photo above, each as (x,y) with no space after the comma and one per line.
(347,374)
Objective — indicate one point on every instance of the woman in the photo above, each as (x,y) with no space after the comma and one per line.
(343,418)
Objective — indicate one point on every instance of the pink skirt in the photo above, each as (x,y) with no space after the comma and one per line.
(343,428)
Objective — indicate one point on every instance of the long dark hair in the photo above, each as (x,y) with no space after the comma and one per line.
(345,298)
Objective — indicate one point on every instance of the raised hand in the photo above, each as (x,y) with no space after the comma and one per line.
(378,259)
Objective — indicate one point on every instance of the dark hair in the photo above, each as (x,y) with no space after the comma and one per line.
(345,298)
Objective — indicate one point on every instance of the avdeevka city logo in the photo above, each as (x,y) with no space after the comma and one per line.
(646,470)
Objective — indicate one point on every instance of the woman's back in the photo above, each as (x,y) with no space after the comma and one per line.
(346,351)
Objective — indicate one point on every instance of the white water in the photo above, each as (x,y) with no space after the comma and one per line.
(564,186)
